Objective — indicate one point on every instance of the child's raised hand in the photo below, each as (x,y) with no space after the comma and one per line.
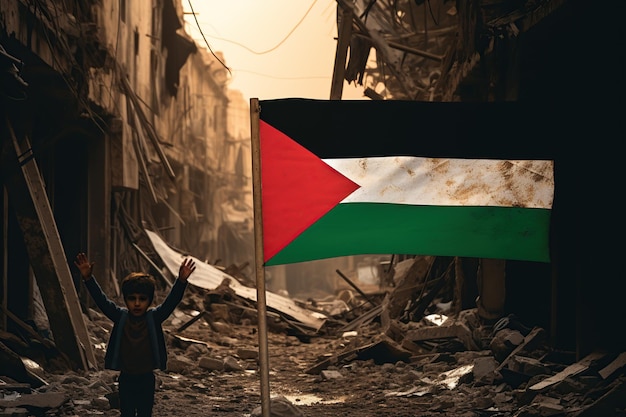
(186,268)
(84,266)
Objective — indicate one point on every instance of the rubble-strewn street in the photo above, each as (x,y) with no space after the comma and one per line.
(490,126)
(456,368)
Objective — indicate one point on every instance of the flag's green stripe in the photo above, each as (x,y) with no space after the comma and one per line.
(369,228)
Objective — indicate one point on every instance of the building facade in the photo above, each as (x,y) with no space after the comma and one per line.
(114,121)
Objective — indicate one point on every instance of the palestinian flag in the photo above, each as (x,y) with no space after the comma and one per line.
(342,178)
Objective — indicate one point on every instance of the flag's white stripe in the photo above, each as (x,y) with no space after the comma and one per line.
(456,182)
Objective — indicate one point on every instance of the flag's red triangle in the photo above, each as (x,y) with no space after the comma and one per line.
(298,188)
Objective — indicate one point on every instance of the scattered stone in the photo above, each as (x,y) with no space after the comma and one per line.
(211,364)
(101,403)
(504,342)
(247,353)
(180,364)
(14,412)
(279,407)
(231,364)
(484,368)
(330,374)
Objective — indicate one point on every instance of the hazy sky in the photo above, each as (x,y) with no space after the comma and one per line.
(274,48)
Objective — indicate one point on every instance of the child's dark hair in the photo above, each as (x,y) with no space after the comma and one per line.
(139,283)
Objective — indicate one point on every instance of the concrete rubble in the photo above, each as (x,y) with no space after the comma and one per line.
(439,365)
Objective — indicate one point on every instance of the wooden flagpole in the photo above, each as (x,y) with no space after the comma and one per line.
(258,255)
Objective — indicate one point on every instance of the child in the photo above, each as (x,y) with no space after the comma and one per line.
(136,345)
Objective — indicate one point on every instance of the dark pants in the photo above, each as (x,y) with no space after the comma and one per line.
(136,394)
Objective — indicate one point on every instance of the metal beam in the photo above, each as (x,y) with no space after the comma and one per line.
(343,42)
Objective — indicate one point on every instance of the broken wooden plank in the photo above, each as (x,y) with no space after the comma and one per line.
(47,343)
(532,338)
(190,322)
(343,43)
(146,125)
(362,319)
(615,365)
(190,340)
(12,366)
(382,351)
(353,285)
(45,251)
(607,404)
(571,370)
(154,266)
(142,160)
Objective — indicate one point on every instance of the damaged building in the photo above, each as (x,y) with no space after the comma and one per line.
(115,122)
(534,52)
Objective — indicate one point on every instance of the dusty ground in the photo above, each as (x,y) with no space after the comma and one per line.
(213,371)
(361,388)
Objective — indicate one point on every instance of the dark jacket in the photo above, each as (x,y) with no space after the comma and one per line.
(155,317)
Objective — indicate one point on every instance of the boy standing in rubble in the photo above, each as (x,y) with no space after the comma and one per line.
(137,345)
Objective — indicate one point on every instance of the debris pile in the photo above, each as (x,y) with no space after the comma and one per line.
(402,351)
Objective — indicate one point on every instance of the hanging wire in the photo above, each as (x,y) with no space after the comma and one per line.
(430,8)
(267,50)
(205,40)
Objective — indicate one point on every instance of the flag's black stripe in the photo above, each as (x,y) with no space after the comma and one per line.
(366,128)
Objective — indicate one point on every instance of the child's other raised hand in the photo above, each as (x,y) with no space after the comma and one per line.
(186,268)
(84,266)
